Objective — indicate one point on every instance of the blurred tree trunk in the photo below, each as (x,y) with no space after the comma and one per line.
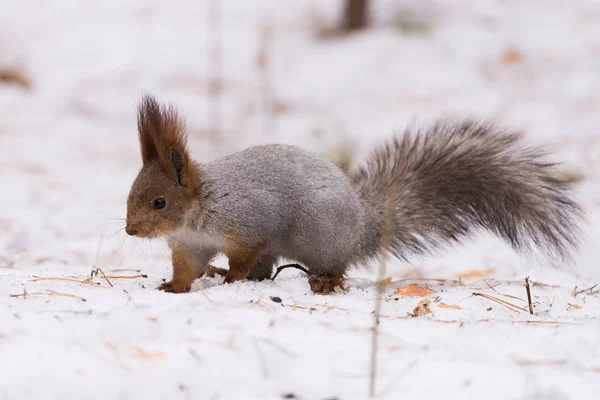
(356,14)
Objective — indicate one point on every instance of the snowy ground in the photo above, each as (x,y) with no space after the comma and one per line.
(68,153)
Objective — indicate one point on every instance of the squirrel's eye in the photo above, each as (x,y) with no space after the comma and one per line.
(159,203)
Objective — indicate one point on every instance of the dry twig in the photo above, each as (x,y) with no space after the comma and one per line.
(510,306)
(385,244)
(528,295)
(95,273)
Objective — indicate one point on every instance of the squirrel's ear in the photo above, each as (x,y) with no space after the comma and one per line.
(148,121)
(178,161)
(163,136)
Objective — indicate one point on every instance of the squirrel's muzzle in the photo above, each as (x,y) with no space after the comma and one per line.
(130,230)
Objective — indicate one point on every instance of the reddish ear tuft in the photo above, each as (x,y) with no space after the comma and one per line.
(148,120)
(162,134)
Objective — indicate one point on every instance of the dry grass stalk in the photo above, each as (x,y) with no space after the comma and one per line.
(126,276)
(528,363)
(48,292)
(385,245)
(86,281)
(266,89)
(203,290)
(510,306)
(215,83)
(95,273)
(226,345)
(143,354)
(588,291)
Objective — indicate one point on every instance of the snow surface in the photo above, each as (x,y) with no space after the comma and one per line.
(68,154)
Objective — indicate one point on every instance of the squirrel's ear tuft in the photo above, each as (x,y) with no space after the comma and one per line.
(162,135)
(148,121)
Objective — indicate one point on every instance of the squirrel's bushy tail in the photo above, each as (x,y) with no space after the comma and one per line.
(450,179)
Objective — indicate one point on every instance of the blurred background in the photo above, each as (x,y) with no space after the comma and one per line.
(332,76)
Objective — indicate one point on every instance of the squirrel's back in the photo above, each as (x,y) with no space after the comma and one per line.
(302,203)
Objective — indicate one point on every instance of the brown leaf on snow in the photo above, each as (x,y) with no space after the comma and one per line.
(475,273)
(574,306)
(413,290)
(512,56)
(453,306)
(421,309)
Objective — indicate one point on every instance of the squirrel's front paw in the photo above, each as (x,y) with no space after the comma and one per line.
(174,287)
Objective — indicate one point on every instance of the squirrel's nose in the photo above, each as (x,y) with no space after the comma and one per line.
(130,231)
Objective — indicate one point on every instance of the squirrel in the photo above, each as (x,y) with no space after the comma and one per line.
(430,187)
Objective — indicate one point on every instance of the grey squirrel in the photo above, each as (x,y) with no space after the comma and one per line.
(442,183)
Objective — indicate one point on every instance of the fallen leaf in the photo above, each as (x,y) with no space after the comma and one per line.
(574,306)
(512,56)
(453,306)
(474,273)
(413,290)
(421,309)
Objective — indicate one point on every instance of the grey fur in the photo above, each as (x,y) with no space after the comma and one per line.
(447,181)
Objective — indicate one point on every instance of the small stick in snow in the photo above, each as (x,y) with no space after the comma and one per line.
(380,287)
(297,266)
(55,293)
(126,276)
(24,294)
(589,290)
(41,278)
(528,295)
(203,290)
(95,273)
(47,292)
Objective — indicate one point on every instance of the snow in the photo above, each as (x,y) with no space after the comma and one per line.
(68,154)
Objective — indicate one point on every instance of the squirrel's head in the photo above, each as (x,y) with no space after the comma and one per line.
(166,185)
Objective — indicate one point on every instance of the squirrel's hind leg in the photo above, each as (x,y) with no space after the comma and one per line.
(325,282)
(242,259)
(263,269)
